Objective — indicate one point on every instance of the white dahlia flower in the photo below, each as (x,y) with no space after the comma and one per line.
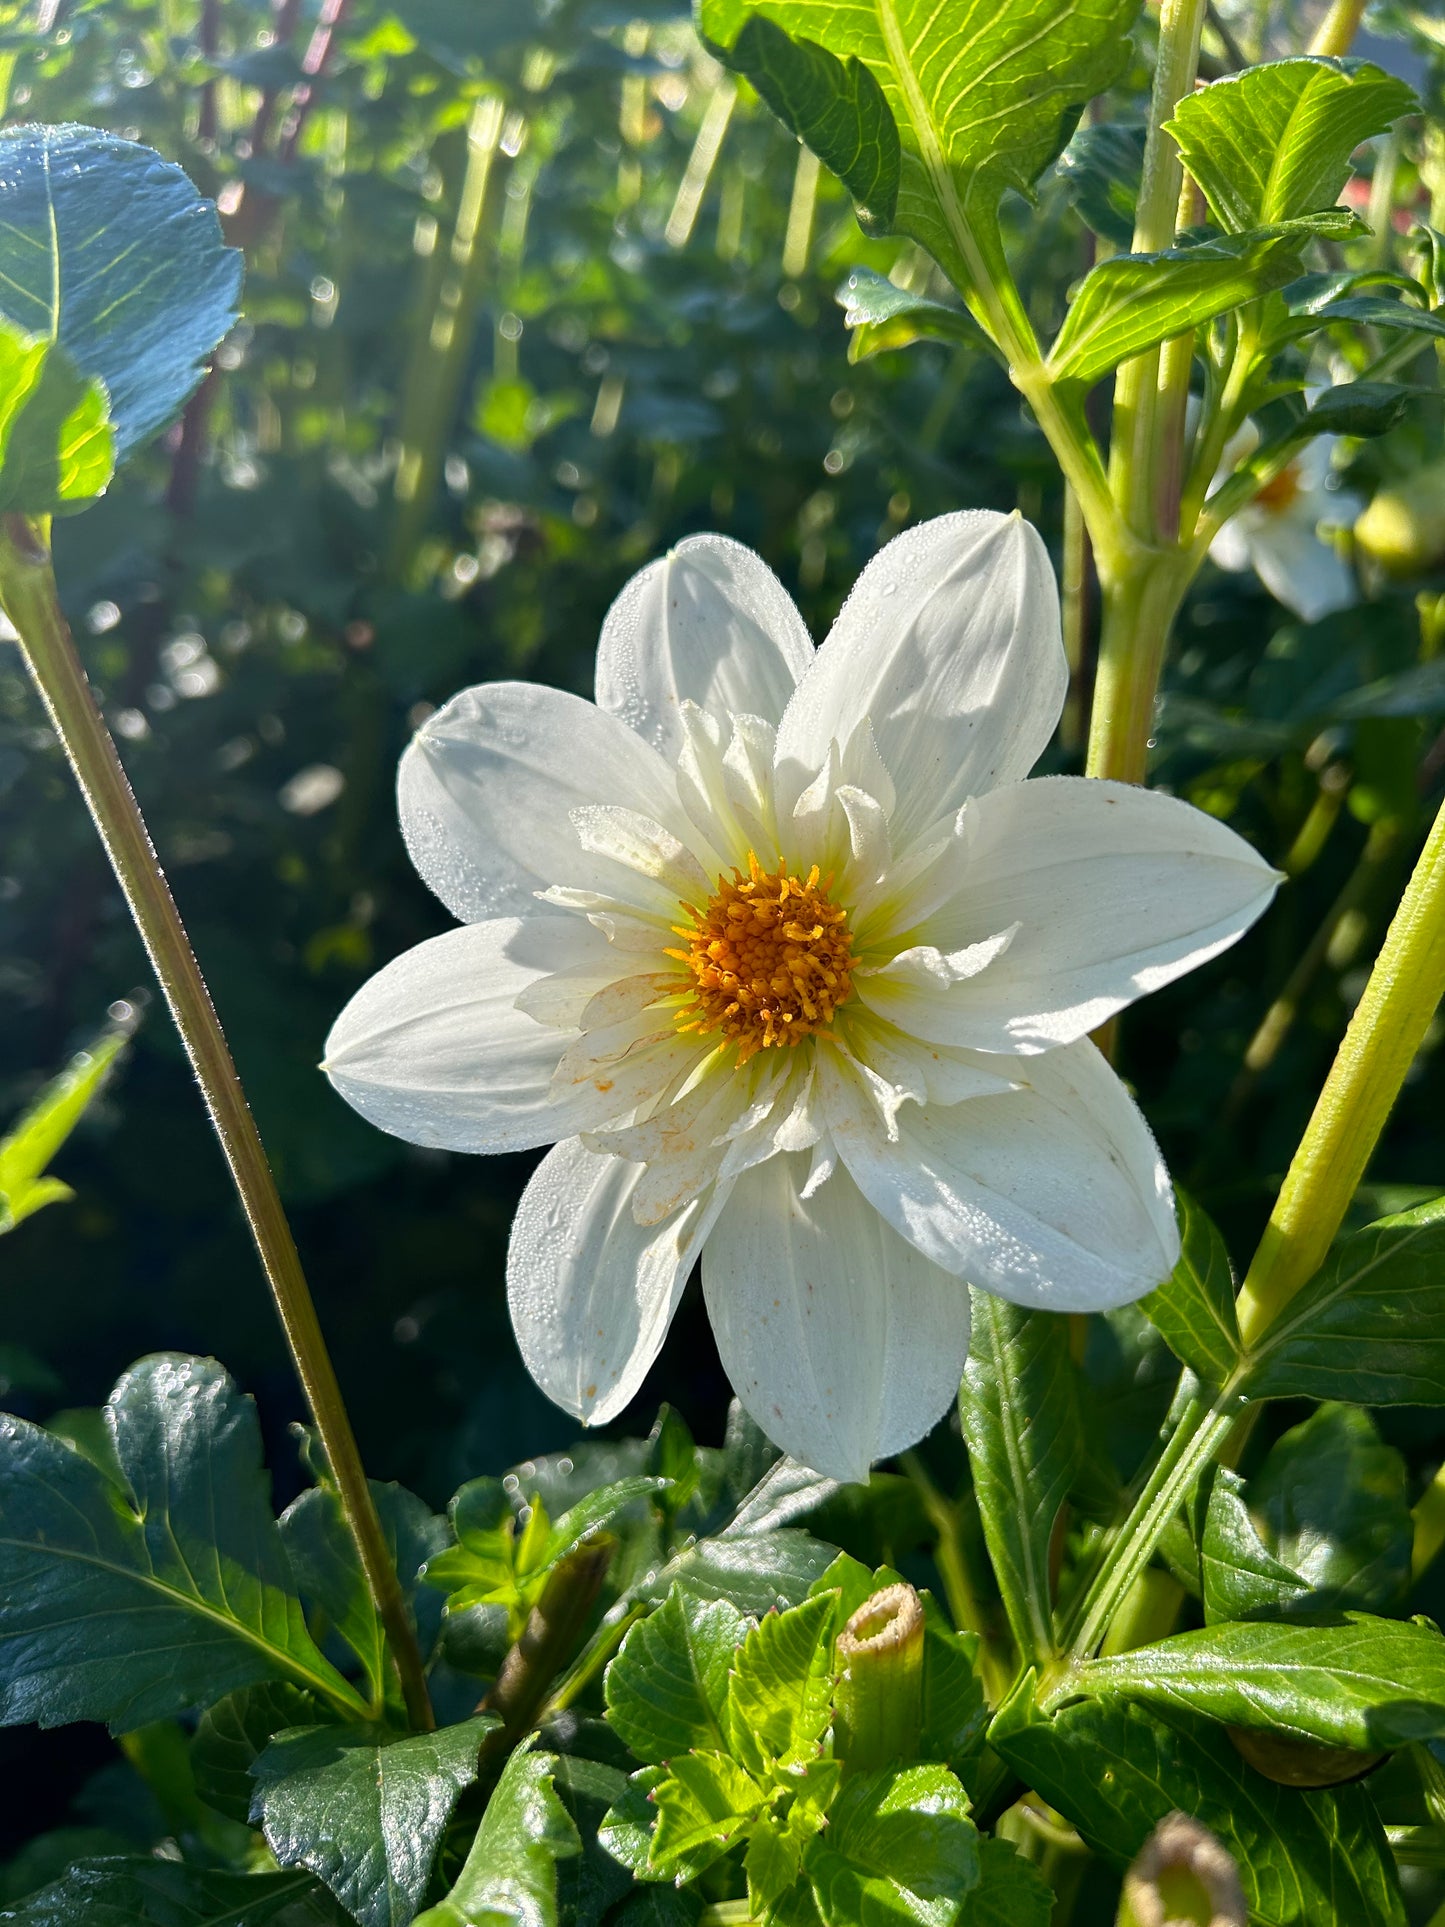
(1278,533)
(800,972)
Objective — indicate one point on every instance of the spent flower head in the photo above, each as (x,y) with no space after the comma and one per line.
(779,951)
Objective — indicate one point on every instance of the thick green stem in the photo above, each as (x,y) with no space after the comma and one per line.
(1384,1034)
(1149,385)
(1139,607)
(1143,580)
(28,594)
(1337,30)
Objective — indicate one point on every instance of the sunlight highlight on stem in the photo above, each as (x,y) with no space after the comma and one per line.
(28,594)
(1384,1035)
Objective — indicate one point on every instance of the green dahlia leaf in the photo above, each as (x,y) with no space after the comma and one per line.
(328,1572)
(1019,1405)
(899,1847)
(1332,1503)
(1354,1681)
(780,1701)
(955,1712)
(1369,1327)
(26,1152)
(510,1876)
(148,1892)
(57,450)
(982,97)
(1115,1768)
(233,1734)
(1010,1893)
(108,250)
(1194,1307)
(131,1606)
(1239,1576)
(1132,302)
(1275,141)
(1382,311)
(703,1806)
(667,1688)
(880,317)
(365,1811)
(1101,169)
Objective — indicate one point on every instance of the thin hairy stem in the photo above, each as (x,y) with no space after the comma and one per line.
(28,593)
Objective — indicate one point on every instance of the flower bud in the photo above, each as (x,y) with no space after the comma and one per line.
(878,1704)
(1182,1878)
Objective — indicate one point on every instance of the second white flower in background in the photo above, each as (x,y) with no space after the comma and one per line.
(800,972)
(1278,534)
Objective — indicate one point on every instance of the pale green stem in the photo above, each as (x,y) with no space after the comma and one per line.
(1337,30)
(1143,585)
(1195,1440)
(1138,392)
(1384,1035)
(28,594)
(1428,1514)
(1075,588)
(438,372)
(1138,610)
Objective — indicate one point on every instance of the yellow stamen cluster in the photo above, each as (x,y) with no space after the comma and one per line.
(771,958)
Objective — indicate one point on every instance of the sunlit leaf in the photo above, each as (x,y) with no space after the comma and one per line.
(1275,141)
(510,1876)
(983,97)
(109,250)
(26,1152)
(1020,1411)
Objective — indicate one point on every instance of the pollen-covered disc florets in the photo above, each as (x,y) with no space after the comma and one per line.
(771,958)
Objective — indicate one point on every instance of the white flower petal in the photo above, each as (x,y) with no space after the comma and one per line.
(433,1049)
(486,788)
(1110,892)
(928,1073)
(604,1075)
(646,866)
(591,1291)
(708,623)
(1051,1195)
(725,782)
(1300,570)
(841,1340)
(950,646)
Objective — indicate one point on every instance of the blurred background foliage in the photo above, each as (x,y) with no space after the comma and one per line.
(534,290)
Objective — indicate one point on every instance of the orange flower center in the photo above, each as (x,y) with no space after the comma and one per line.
(770,958)
(1279,493)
